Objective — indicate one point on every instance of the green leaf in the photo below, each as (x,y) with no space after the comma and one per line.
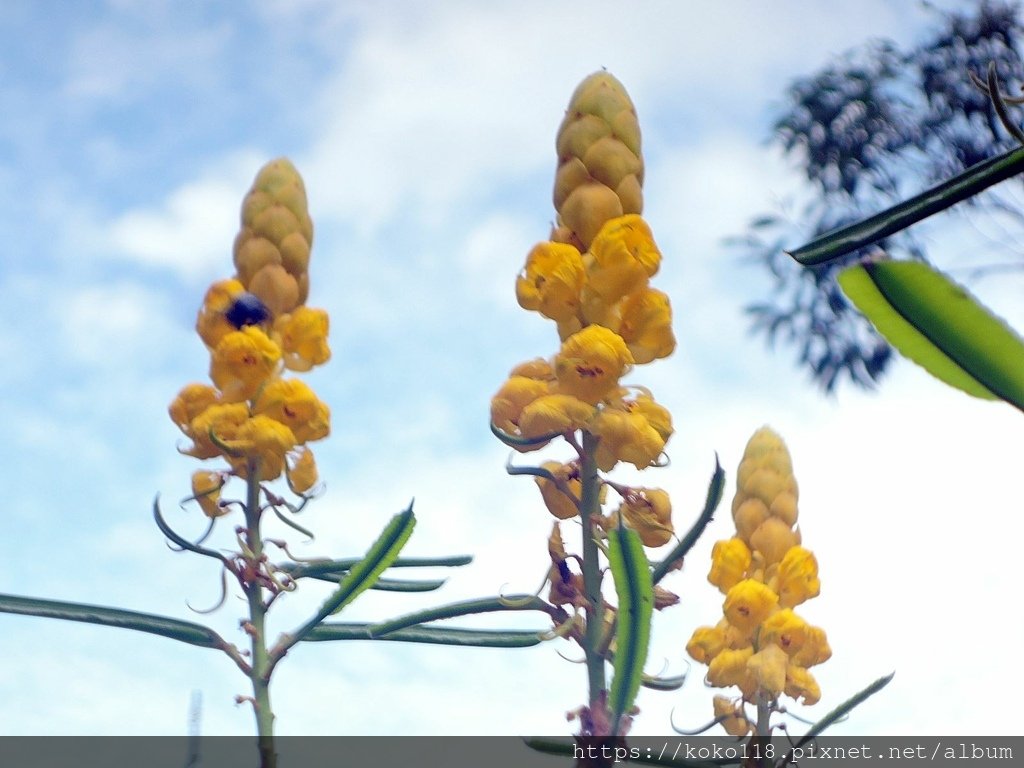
(335,569)
(836,244)
(463,608)
(937,324)
(635,590)
(479,638)
(716,487)
(184,631)
(382,554)
(844,709)
(360,576)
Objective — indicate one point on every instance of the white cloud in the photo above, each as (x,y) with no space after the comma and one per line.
(191,233)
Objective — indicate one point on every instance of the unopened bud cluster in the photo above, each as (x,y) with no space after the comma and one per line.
(256,325)
(761,645)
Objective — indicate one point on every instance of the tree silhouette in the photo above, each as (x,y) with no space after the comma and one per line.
(870,129)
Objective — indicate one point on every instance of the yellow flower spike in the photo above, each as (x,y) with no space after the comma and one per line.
(302,336)
(554,413)
(625,437)
(623,258)
(786,630)
(730,560)
(221,421)
(265,440)
(800,684)
(706,643)
(815,650)
(748,603)
(797,577)
(773,538)
(294,404)
(242,362)
(206,489)
(192,400)
(646,325)
(729,667)
(211,323)
(734,720)
(561,506)
(300,470)
(590,363)
(768,668)
(648,511)
(508,402)
(551,281)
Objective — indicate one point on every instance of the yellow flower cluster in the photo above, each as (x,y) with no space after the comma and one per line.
(593,279)
(761,645)
(255,325)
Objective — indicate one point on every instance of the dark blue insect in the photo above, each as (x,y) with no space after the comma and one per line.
(247,309)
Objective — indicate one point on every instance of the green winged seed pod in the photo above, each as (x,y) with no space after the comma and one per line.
(271,251)
(600,168)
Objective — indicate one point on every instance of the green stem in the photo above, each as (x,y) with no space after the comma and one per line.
(763,733)
(590,508)
(260,674)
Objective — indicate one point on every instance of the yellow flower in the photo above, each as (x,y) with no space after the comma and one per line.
(625,437)
(768,667)
(242,362)
(508,402)
(748,603)
(797,577)
(265,441)
(293,403)
(189,403)
(591,362)
(729,667)
(815,649)
(730,560)
(206,489)
(785,629)
(554,413)
(648,511)
(551,281)
(646,325)
(538,368)
(300,470)
(623,257)
(801,684)
(211,323)
(302,336)
(220,421)
(561,506)
(734,721)
(706,643)
(657,415)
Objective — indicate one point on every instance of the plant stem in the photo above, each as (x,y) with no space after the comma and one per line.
(260,674)
(590,507)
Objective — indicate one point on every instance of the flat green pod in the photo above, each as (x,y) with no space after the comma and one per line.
(936,323)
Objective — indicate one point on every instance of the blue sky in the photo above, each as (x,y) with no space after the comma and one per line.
(425,132)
